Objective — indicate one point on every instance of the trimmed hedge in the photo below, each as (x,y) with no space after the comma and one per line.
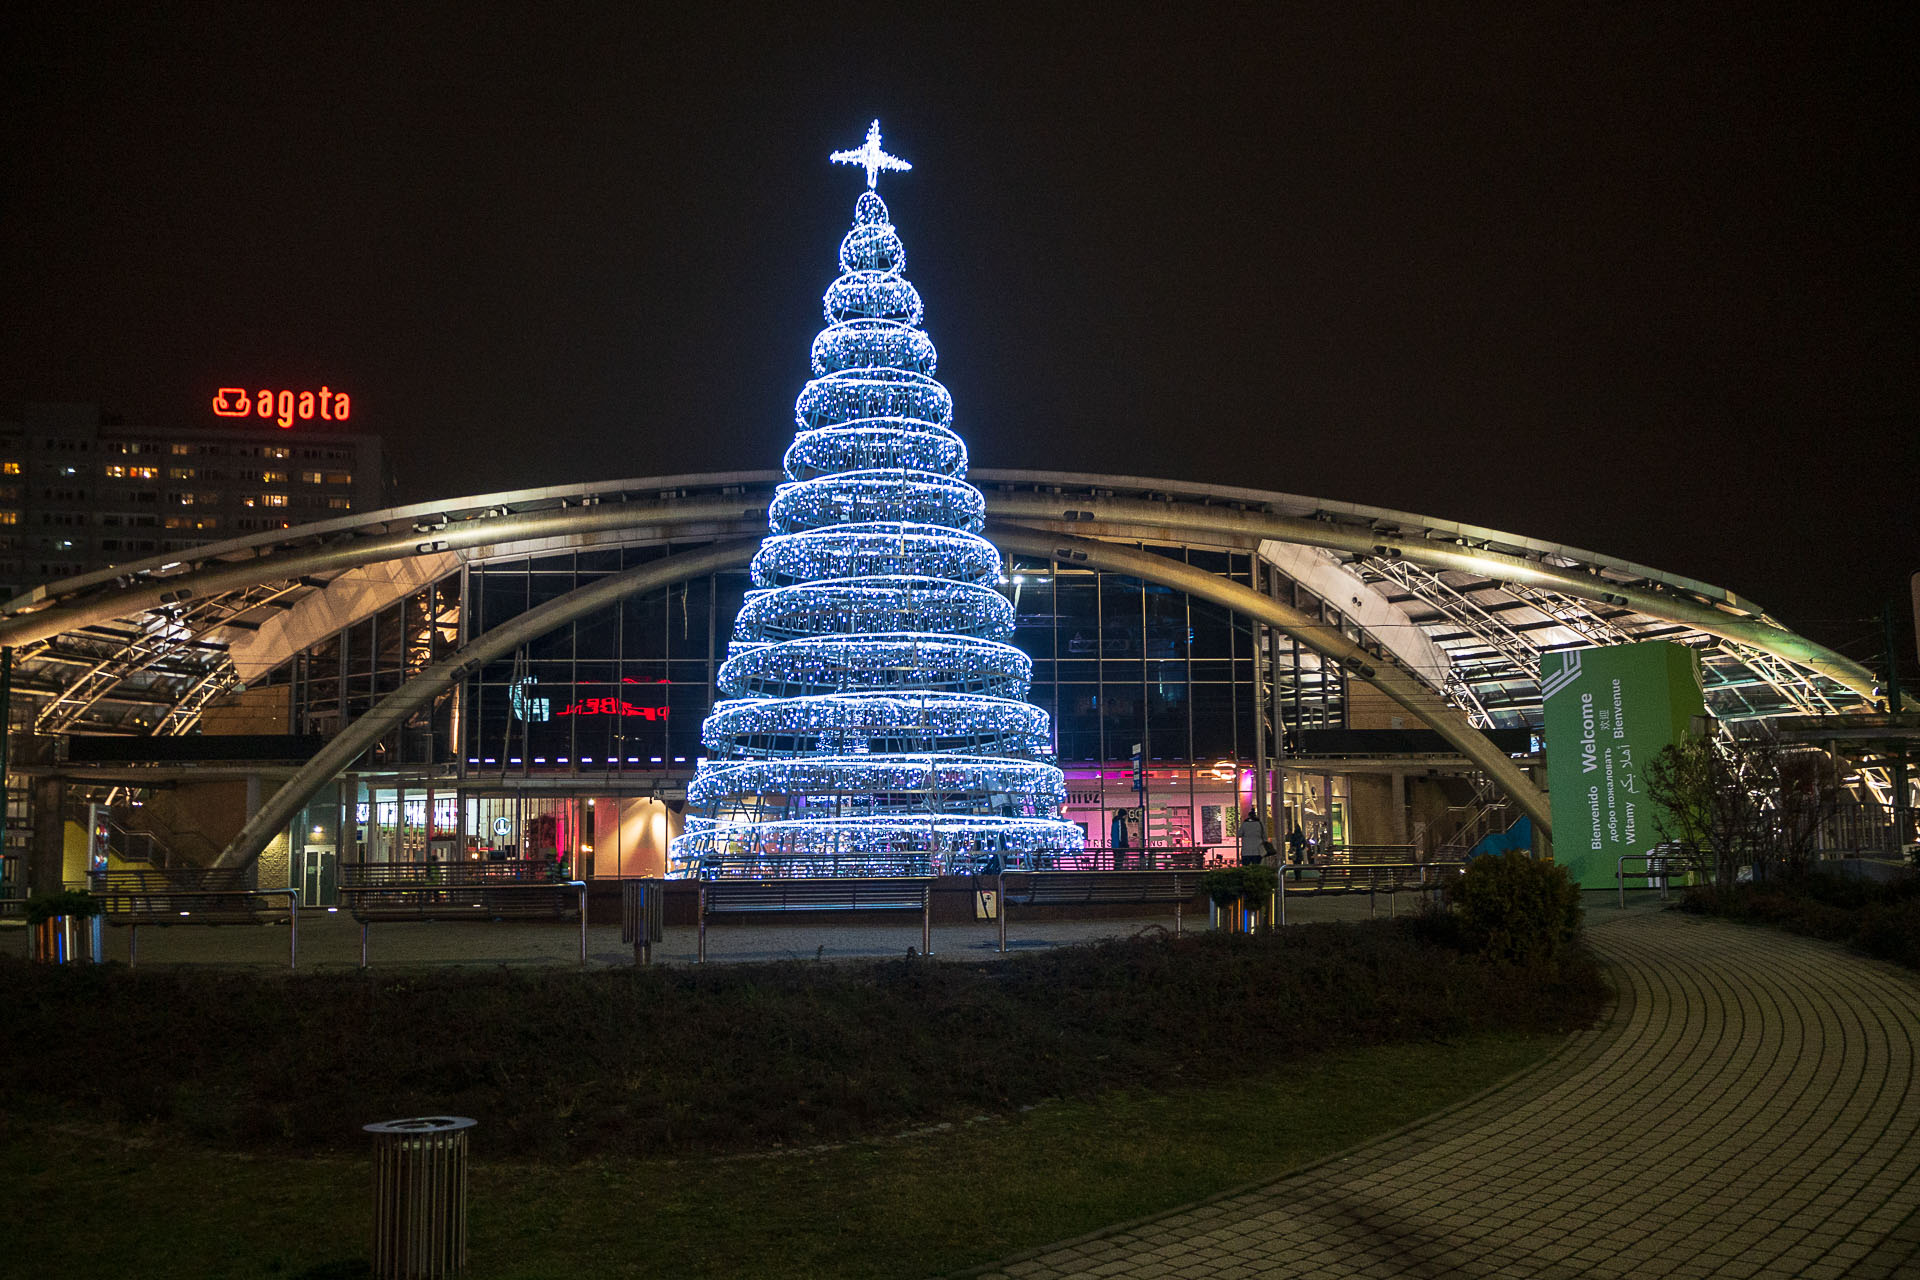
(1878,920)
(562,1065)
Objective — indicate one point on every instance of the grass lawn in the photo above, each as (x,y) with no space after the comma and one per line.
(915,1206)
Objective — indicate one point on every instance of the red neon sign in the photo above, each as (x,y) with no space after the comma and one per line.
(615,706)
(612,707)
(283,406)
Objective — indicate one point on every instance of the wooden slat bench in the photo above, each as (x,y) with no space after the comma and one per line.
(459,891)
(192,896)
(871,893)
(1101,888)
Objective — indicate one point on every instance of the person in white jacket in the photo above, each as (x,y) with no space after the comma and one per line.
(1253,840)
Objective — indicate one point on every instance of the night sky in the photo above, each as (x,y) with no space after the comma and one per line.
(1637,280)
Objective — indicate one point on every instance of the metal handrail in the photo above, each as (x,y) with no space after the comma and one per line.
(133,926)
(1657,866)
(1372,886)
(579,886)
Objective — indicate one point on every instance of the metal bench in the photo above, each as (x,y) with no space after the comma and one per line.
(1101,888)
(873,893)
(643,916)
(376,891)
(192,896)
(1372,878)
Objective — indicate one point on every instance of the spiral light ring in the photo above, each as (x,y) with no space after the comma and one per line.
(839,664)
(870,295)
(866,776)
(875,444)
(855,497)
(873,344)
(969,724)
(874,549)
(864,605)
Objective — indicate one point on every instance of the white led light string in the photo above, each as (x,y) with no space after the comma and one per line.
(873,718)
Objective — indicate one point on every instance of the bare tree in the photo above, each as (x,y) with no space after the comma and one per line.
(1723,803)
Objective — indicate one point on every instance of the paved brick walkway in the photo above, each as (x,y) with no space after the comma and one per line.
(1750,1108)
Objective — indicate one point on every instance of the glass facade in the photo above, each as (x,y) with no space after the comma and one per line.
(608,710)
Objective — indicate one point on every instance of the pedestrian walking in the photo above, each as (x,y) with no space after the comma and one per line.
(1253,840)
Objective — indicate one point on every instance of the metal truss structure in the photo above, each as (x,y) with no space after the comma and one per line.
(147,648)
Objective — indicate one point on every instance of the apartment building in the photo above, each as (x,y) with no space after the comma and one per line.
(80,491)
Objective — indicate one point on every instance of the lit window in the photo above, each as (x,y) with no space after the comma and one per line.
(143,473)
(273,499)
(311,477)
(116,473)
(276,451)
(339,477)
(10,468)
(181,473)
(274,477)
(340,504)
(180,449)
(9,517)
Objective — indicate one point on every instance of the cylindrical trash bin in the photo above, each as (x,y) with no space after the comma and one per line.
(64,940)
(420,1197)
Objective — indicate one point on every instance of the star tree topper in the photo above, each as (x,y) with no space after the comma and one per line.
(870,157)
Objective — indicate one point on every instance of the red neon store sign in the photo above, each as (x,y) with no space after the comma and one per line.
(613,706)
(283,406)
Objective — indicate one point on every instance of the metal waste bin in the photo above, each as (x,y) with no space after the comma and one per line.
(643,916)
(420,1197)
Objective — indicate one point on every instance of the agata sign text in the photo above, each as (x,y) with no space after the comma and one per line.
(283,406)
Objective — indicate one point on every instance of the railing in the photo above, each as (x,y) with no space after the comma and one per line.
(1485,820)
(454,874)
(1179,858)
(134,898)
(450,891)
(159,848)
(1656,870)
(1370,854)
(13,890)
(1372,879)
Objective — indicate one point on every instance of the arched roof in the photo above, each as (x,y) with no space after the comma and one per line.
(145,646)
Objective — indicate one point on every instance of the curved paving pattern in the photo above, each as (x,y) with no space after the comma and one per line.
(1750,1108)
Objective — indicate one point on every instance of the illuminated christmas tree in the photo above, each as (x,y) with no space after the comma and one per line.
(873,718)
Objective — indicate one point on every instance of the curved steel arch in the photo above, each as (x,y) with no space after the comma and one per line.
(231,582)
(1396,682)
(346,746)
(489,519)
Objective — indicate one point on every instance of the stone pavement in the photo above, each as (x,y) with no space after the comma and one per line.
(1748,1108)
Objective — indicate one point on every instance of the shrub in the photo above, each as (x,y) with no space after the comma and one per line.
(1878,919)
(67,902)
(1252,884)
(1517,910)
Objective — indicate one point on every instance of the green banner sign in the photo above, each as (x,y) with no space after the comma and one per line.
(1609,711)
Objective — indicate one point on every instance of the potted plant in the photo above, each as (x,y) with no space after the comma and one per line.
(1242,896)
(58,926)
